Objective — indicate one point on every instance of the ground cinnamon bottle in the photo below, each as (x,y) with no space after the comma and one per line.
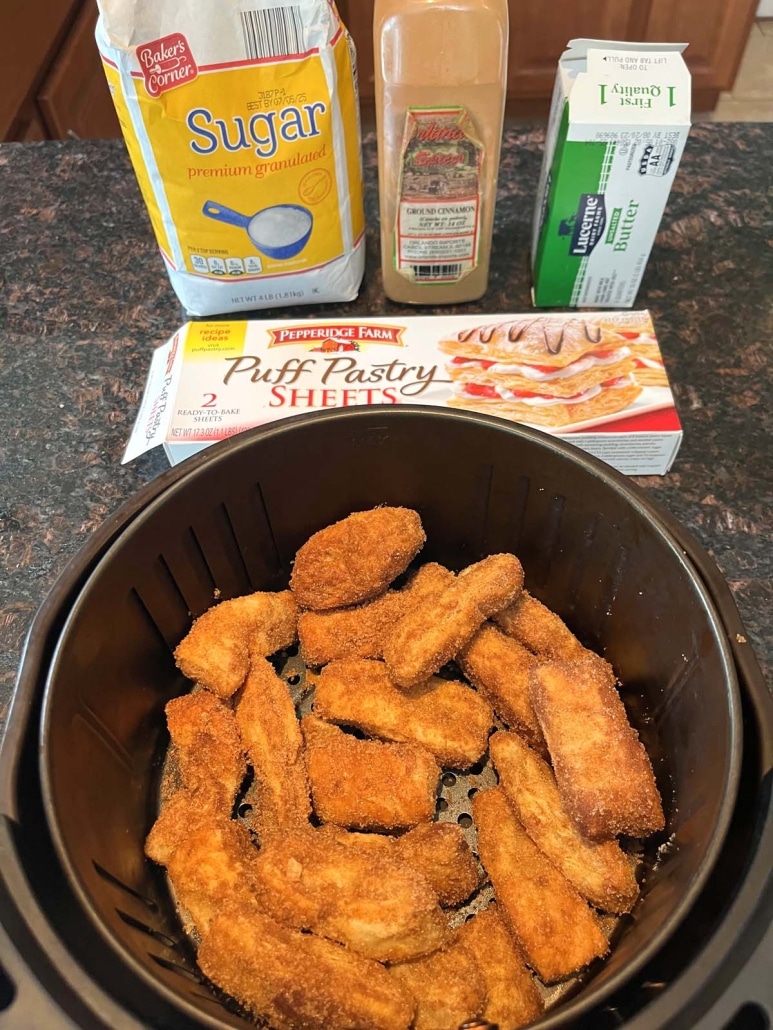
(440,94)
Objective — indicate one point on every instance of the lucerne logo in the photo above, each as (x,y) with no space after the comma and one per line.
(586,227)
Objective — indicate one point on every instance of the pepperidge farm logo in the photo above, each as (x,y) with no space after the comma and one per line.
(329,337)
(166,63)
(586,227)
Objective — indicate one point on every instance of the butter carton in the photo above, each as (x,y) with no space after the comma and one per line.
(618,124)
(597,380)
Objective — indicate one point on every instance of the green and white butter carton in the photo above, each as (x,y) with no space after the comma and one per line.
(618,124)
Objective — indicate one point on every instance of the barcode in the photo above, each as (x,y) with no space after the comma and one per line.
(437,271)
(273,32)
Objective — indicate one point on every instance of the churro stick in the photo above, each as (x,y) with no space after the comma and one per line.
(602,770)
(553,926)
(213,866)
(206,740)
(360,632)
(294,980)
(348,632)
(269,727)
(211,767)
(216,652)
(437,851)
(512,997)
(435,631)
(357,558)
(601,872)
(370,900)
(183,813)
(539,629)
(445,716)
(500,668)
(440,852)
(365,784)
(448,987)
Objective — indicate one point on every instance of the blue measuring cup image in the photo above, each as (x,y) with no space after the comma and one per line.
(279,232)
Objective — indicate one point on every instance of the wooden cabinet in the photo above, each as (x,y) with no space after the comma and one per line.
(31,128)
(716,31)
(74,99)
(358,16)
(539,34)
(52,85)
(51,81)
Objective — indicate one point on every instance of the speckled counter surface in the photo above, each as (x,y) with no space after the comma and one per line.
(84,298)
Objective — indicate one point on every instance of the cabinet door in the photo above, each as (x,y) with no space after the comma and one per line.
(30,34)
(74,99)
(30,127)
(358,17)
(539,34)
(717,32)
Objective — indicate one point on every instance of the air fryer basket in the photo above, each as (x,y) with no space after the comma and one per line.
(234,525)
(593,546)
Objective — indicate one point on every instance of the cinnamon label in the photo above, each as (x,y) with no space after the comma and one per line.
(439,203)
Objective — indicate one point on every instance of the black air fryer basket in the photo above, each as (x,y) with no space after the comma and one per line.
(89,935)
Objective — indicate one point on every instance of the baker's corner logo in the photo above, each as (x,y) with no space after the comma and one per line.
(586,226)
(166,63)
(330,338)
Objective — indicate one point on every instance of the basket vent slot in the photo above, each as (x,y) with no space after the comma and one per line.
(614,1014)
(600,599)
(231,543)
(616,577)
(542,561)
(214,1001)
(175,967)
(255,540)
(160,597)
(221,553)
(749,1017)
(7,992)
(184,560)
(506,510)
(483,480)
(677,686)
(115,882)
(518,510)
(157,935)
(580,563)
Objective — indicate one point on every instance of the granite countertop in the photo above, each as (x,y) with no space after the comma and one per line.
(84,297)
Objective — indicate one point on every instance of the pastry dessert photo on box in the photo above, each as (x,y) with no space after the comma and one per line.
(559,371)
(547,373)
